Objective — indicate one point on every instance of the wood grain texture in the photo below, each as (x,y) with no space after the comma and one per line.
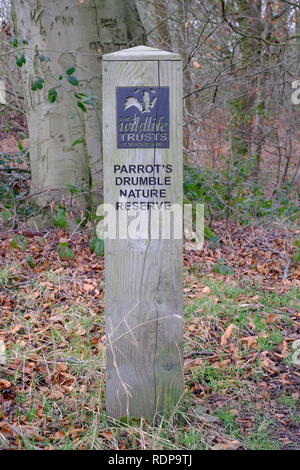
(143,294)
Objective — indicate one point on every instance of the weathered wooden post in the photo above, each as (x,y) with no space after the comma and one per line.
(142,148)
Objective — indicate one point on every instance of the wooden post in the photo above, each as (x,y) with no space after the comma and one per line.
(142,139)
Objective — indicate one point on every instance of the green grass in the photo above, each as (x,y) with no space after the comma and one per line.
(192,439)
(215,379)
(229,381)
(235,298)
(228,419)
(288,401)
(260,438)
(8,274)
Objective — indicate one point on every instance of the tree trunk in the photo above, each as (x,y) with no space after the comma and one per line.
(69,34)
(170,32)
(243,107)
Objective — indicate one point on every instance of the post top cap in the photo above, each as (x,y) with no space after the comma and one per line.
(142,53)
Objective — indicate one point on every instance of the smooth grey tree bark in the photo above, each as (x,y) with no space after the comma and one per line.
(69,34)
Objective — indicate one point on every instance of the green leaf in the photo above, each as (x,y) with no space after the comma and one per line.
(18,242)
(90,102)
(20,60)
(14,42)
(97,245)
(92,243)
(221,268)
(43,58)
(81,105)
(73,189)
(30,261)
(64,251)
(99,248)
(37,84)
(70,71)
(52,95)
(6,215)
(208,233)
(296,256)
(60,218)
(77,141)
(73,80)
(80,95)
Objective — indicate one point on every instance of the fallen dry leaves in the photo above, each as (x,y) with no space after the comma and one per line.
(219,372)
(227,334)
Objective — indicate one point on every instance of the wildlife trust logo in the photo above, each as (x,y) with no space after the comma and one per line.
(144,106)
(143,117)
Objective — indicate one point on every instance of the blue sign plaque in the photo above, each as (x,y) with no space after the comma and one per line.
(143,117)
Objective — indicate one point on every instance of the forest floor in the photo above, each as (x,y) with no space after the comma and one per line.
(242,320)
